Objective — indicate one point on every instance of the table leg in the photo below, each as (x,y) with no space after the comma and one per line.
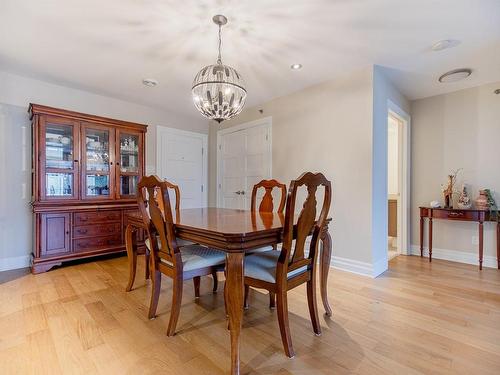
(326,256)
(430,239)
(235,294)
(421,236)
(498,242)
(481,230)
(131,246)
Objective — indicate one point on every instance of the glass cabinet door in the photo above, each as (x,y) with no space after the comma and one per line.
(97,150)
(129,167)
(59,159)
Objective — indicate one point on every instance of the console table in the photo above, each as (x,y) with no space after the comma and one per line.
(479,216)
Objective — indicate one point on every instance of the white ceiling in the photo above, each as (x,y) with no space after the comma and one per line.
(109,46)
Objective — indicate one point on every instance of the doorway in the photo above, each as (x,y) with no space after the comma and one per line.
(398,181)
(182,159)
(243,158)
(394,166)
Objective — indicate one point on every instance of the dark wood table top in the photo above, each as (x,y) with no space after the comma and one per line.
(226,229)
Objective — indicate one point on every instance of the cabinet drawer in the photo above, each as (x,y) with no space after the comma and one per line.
(88,244)
(96,230)
(464,215)
(93,217)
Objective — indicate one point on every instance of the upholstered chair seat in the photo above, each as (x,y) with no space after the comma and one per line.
(262,266)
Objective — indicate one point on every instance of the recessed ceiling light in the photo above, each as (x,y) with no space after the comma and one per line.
(455,75)
(296,66)
(150,82)
(445,44)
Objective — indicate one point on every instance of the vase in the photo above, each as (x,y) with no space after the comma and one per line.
(482,201)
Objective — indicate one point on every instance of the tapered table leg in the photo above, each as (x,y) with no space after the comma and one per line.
(498,242)
(234,294)
(131,246)
(421,236)
(326,256)
(481,232)
(430,239)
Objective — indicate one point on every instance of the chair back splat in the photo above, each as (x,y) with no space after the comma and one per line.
(267,204)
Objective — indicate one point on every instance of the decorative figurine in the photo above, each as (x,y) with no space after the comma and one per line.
(448,190)
(464,201)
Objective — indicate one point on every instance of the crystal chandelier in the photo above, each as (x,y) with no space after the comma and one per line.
(218,90)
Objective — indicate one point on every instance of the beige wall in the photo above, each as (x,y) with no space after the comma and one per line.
(457,130)
(327,128)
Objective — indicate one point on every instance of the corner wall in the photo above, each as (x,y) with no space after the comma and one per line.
(16,92)
(383,91)
(327,128)
(451,131)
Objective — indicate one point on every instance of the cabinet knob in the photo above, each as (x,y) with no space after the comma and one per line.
(76,161)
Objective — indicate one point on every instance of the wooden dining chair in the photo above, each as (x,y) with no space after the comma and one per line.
(267,205)
(281,271)
(167,257)
(180,242)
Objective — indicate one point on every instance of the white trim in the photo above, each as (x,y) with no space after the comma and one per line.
(204,138)
(358,267)
(13,263)
(404,246)
(457,256)
(265,122)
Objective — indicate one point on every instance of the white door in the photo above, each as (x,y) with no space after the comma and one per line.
(244,159)
(181,159)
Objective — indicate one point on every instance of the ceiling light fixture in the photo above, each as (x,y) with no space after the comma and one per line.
(445,44)
(296,66)
(150,82)
(218,90)
(455,75)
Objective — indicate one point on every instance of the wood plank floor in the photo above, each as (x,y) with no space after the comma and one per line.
(439,318)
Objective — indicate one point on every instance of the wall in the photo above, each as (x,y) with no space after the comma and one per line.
(327,128)
(16,93)
(383,92)
(451,131)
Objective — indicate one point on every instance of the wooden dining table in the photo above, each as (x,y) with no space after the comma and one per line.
(235,232)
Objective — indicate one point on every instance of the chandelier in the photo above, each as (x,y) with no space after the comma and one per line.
(218,90)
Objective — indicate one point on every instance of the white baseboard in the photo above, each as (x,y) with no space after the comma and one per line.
(457,256)
(12,263)
(358,267)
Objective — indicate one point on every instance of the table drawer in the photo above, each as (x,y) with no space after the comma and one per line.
(93,217)
(96,230)
(456,215)
(87,244)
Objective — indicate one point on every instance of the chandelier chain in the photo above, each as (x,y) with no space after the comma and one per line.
(219,58)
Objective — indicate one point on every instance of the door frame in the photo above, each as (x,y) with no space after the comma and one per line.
(403,212)
(160,130)
(264,122)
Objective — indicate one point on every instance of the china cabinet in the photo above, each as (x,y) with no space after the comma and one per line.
(85,174)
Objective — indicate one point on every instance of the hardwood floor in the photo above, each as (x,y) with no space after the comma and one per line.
(439,318)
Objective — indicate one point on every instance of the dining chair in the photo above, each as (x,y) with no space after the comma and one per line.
(267,205)
(180,242)
(280,271)
(179,263)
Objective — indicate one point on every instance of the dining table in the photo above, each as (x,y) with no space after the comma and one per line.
(235,232)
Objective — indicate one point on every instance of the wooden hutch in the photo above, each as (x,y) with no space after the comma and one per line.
(85,174)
